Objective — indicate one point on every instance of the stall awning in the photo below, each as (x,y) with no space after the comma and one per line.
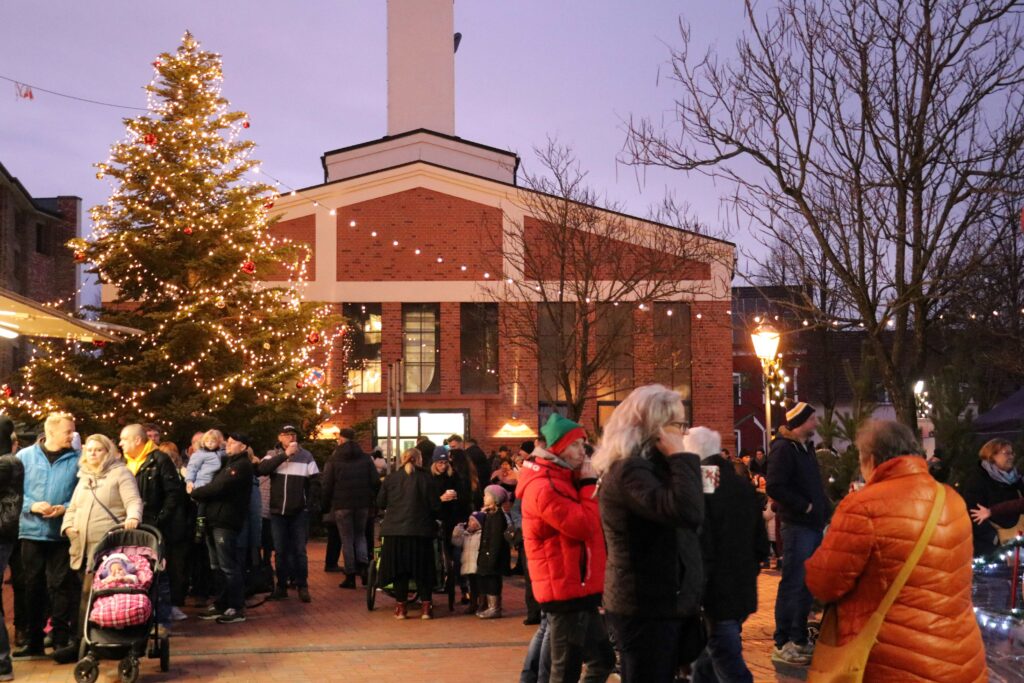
(20,316)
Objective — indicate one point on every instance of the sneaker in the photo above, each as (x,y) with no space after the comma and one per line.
(304,594)
(805,649)
(177,614)
(790,654)
(210,613)
(28,651)
(231,616)
(7,675)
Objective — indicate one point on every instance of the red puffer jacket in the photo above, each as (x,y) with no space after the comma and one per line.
(930,633)
(563,537)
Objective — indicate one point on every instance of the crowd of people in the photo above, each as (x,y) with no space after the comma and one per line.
(641,553)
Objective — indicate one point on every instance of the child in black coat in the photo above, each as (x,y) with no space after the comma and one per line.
(493,557)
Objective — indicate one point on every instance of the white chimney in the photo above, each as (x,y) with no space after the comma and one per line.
(421,66)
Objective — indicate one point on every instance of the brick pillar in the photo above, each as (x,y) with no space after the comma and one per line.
(451,348)
(643,347)
(391,338)
(711,343)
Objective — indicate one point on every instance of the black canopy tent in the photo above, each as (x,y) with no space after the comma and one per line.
(1005,420)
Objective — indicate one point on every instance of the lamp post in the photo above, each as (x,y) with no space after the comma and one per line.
(766,345)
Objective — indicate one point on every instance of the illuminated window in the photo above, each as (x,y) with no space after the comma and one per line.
(364,364)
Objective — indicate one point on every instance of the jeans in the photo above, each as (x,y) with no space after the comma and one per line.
(5,644)
(537,665)
(649,647)
(352,530)
(47,569)
(577,638)
(793,601)
(224,558)
(290,534)
(722,658)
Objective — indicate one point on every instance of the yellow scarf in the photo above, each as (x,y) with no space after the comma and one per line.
(135,463)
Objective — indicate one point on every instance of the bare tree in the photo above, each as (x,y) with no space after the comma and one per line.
(879,131)
(579,270)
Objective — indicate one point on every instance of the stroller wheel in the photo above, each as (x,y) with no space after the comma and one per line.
(371,587)
(165,654)
(87,670)
(128,670)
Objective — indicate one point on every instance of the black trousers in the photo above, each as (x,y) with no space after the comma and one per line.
(46,565)
(333,552)
(490,584)
(579,638)
(532,606)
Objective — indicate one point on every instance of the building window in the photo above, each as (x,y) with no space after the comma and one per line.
(421,347)
(604,412)
(557,349)
(43,245)
(364,364)
(614,332)
(672,355)
(479,343)
(737,388)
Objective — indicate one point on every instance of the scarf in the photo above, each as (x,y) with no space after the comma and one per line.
(1009,478)
(135,463)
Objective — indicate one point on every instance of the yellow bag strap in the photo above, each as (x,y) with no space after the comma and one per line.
(916,553)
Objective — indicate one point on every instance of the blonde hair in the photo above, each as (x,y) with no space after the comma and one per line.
(992,447)
(212,434)
(634,422)
(112,454)
(411,456)
(54,419)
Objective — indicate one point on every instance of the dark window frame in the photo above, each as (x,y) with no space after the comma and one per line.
(478,344)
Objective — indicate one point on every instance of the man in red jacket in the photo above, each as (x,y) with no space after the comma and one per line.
(565,548)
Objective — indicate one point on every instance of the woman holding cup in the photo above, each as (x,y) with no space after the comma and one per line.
(652,504)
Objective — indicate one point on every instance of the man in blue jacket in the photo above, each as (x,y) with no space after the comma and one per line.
(51,470)
(794,482)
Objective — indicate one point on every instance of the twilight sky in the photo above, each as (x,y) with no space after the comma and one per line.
(312,76)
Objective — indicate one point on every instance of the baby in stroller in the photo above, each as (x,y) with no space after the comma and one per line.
(122,568)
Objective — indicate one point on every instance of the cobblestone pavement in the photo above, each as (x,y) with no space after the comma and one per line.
(335,638)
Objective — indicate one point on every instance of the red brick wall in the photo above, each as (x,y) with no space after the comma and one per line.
(459,231)
(303,231)
(711,335)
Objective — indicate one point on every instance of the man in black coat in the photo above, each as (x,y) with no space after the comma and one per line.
(794,483)
(349,484)
(734,542)
(12,490)
(227,499)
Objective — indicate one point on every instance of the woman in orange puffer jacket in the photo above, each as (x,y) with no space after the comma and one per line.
(930,633)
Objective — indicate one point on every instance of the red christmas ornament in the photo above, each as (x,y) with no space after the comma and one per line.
(99,343)
(187,230)
(157,64)
(249,267)
(313,337)
(245,124)
(6,391)
(79,256)
(269,205)
(149,139)
(300,384)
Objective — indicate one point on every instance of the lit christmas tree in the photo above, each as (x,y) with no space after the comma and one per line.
(185,239)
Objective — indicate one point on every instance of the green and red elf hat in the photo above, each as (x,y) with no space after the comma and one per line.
(559,432)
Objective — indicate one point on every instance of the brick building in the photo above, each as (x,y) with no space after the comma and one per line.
(411,237)
(33,260)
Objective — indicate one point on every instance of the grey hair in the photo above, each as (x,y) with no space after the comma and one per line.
(135,430)
(883,440)
(634,422)
(703,441)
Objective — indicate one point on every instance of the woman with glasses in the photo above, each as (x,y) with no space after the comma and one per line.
(652,504)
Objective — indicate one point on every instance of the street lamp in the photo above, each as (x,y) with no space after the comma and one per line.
(766,345)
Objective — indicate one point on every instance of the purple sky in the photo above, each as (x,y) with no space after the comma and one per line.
(312,76)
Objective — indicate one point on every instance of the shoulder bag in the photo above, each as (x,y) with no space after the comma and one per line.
(834,663)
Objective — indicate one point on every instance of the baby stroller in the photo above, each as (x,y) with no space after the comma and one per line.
(122,615)
(444,569)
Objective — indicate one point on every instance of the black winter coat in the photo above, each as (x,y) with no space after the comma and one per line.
(494,553)
(794,481)
(12,492)
(651,509)
(464,466)
(734,542)
(481,462)
(163,496)
(350,480)
(228,494)
(454,511)
(412,509)
(981,489)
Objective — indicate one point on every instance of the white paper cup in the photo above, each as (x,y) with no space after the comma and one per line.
(710,476)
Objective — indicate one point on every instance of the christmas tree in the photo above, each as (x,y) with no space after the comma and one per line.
(185,239)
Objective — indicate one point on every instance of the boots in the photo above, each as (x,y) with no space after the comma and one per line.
(400,610)
(493,610)
(427,610)
(474,605)
(349,582)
